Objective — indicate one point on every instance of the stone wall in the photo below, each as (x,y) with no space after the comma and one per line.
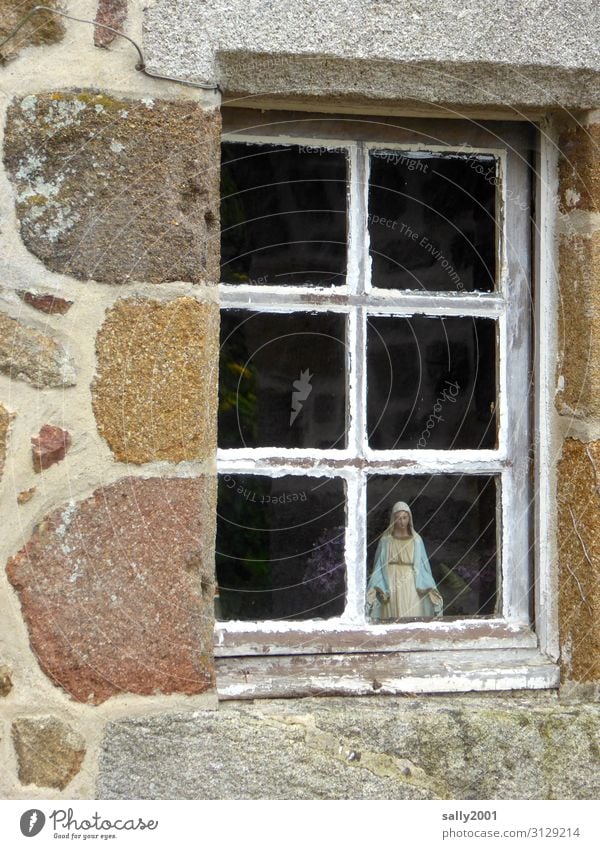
(577,399)
(108,379)
(108,351)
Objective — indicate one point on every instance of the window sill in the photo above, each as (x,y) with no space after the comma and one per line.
(272,660)
(451,671)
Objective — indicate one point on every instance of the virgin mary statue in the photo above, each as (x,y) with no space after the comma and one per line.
(401,585)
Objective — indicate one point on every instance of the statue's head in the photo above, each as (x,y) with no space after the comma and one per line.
(401,518)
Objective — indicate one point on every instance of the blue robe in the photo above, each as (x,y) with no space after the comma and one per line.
(423,577)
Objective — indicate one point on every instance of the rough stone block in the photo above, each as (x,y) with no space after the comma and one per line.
(5,681)
(117,591)
(112,13)
(579,172)
(35,357)
(579,559)
(117,190)
(450,747)
(41,28)
(155,393)
(50,304)
(49,752)
(578,321)
(26,495)
(4,429)
(49,447)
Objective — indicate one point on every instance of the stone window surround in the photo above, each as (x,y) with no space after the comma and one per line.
(474,655)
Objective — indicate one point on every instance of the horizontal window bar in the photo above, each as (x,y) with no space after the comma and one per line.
(378,301)
(327,637)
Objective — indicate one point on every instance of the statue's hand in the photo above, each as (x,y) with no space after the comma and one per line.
(435,597)
(381,596)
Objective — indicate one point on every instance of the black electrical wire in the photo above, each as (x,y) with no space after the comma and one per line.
(141,65)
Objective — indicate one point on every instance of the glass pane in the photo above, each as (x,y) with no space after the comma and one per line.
(431,382)
(455,519)
(432,221)
(282,380)
(283,215)
(280,547)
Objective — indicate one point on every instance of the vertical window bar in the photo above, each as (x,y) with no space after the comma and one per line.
(355,545)
(363,201)
(356,221)
(517,388)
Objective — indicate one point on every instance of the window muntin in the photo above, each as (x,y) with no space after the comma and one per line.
(506,307)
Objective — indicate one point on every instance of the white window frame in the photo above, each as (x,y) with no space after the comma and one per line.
(348,654)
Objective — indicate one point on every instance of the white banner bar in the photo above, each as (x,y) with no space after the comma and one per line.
(306,824)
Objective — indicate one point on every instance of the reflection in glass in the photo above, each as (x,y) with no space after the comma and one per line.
(432,221)
(282,380)
(283,215)
(456,518)
(280,547)
(431,382)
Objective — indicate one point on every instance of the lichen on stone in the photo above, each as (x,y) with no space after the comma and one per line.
(35,357)
(115,190)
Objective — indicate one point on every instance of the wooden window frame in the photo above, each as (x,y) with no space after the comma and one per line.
(348,654)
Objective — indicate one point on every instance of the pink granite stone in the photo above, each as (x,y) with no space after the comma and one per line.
(50,304)
(112,13)
(117,590)
(49,447)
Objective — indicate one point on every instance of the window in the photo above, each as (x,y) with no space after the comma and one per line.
(375,350)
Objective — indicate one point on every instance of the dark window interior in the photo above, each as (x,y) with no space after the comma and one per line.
(431,382)
(282,380)
(432,221)
(280,547)
(283,215)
